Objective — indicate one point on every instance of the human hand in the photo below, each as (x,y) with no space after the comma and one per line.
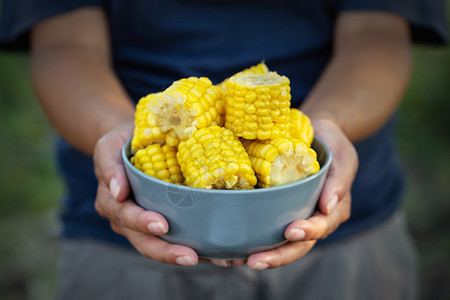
(334,203)
(139,226)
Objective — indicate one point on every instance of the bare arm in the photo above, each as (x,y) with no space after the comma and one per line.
(367,76)
(86,103)
(357,93)
(74,80)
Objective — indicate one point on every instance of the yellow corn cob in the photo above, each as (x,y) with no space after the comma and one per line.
(146,134)
(257,105)
(214,158)
(143,134)
(281,160)
(159,162)
(172,115)
(260,68)
(300,126)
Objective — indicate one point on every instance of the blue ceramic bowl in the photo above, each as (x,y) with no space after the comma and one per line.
(228,223)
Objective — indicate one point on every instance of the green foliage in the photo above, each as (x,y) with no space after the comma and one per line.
(29,188)
(28,181)
(424,143)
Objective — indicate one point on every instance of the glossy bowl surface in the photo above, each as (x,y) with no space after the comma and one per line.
(228,223)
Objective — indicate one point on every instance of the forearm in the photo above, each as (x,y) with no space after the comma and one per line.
(73,77)
(364,82)
(80,95)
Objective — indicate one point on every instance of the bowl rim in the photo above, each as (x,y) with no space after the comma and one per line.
(323,169)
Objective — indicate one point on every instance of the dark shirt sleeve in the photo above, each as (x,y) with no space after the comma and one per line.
(427,18)
(17,17)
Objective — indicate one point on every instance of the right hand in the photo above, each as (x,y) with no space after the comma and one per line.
(139,226)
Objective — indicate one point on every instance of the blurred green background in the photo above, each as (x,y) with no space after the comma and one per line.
(30,188)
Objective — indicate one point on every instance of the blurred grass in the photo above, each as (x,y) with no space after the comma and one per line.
(30,188)
(424,144)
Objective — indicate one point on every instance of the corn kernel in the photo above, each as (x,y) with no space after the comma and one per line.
(209,159)
(159,162)
(260,98)
(281,160)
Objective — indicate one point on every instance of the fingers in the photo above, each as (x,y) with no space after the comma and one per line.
(319,226)
(129,215)
(227,262)
(141,228)
(157,249)
(302,236)
(280,256)
(334,203)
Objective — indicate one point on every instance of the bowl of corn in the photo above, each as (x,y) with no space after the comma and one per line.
(228,165)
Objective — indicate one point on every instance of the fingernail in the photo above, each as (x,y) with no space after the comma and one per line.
(185,260)
(114,187)
(332,204)
(296,234)
(238,262)
(260,266)
(221,262)
(157,228)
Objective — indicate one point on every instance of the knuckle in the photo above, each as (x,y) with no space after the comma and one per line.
(98,208)
(326,234)
(347,215)
(120,217)
(115,228)
(148,253)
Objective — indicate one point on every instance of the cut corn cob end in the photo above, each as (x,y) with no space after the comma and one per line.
(260,68)
(257,105)
(214,158)
(281,161)
(188,104)
(300,126)
(159,162)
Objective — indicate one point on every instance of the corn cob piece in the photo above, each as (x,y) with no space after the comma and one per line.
(281,160)
(159,162)
(188,104)
(260,68)
(143,134)
(214,158)
(146,134)
(257,105)
(300,127)
(172,115)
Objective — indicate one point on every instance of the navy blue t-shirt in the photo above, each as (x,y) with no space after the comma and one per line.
(157,42)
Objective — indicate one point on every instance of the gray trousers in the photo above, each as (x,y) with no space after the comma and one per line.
(377,264)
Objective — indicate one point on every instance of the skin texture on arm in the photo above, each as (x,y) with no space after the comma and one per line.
(73,77)
(366,79)
(359,90)
(85,102)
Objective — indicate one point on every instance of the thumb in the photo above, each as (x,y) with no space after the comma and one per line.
(344,165)
(108,162)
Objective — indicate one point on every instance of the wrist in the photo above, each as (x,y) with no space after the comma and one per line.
(324,120)
(115,120)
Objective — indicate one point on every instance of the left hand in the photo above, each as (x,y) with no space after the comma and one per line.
(334,203)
